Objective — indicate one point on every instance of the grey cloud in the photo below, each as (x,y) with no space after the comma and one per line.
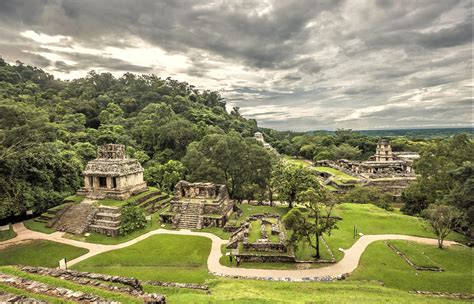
(333,56)
(448,37)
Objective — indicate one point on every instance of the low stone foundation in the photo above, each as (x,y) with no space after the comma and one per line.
(250,257)
(131,286)
(438,294)
(42,288)
(305,279)
(177,285)
(410,262)
(6,297)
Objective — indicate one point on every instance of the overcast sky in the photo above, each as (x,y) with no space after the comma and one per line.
(292,65)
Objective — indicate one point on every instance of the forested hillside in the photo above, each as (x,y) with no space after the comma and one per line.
(50,128)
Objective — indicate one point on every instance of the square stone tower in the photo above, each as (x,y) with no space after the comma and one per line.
(383,152)
(112,174)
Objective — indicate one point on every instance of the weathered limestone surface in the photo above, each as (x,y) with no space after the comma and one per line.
(131,286)
(112,174)
(388,170)
(6,297)
(42,288)
(197,205)
(75,219)
(263,249)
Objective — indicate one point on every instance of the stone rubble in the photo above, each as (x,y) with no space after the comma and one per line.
(177,285)
(6,297)
(439,294)
(305,279)
(42,288)
(132,286)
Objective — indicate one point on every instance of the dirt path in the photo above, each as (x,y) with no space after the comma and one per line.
(347,265)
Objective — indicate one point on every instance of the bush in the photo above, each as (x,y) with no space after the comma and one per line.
(133,218)
(369,195)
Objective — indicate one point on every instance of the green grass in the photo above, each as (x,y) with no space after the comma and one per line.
(371,219)
(160,257)
(215,230)
(297,161)
(254,233)
(338,176)
(39,253)
(248,210)
(74,198)
(38,226)
(414,253)
(37,296)
(381,263)
(267,292)
(115,296)
(120,203)
(6,235)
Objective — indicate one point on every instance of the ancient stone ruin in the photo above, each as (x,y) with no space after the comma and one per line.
(259,137)
(198,205)
(262,238)
(112,175)
(392,171)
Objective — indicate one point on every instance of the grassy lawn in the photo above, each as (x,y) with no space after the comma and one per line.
(6,235)
(120,203)
(371,219)
(297,161)
(160,257)
(251,291)
(338,176)
(414,253)
(39,253)
(113,296)
(38,226)
(381,263)
(248,210)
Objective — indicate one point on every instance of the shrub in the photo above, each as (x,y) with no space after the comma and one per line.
(133,218)
(369,195)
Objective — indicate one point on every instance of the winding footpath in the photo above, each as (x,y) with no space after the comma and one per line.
(347,265)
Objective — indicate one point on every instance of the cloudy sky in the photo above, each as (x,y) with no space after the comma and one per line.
(299,65)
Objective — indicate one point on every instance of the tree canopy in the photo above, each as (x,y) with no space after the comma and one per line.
(50,128)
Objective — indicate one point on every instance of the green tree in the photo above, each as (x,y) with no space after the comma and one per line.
(442,219)
(436,166)
(165,176)
(369,195)
(228,159)
(290,179)
(310,227)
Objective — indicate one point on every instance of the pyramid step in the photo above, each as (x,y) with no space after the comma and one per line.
(106,223)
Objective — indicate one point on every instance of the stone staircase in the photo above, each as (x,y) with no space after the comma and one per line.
(106,221)
(76,219)
(191,216)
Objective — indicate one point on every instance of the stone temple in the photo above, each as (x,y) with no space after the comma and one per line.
(112,175)
(389,170)
(198,205)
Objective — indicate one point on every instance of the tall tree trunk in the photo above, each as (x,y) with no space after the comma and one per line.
(318,256)
(440,242)
(270,195)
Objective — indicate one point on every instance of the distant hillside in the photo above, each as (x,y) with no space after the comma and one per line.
(428,133)
(419,133)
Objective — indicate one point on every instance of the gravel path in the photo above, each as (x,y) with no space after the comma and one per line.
(347,265)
